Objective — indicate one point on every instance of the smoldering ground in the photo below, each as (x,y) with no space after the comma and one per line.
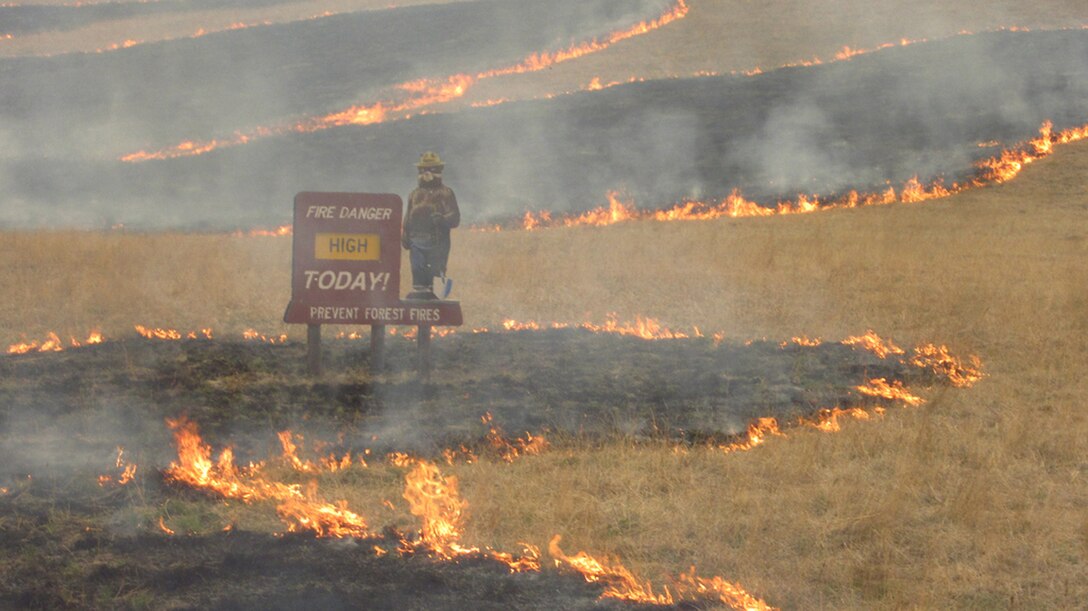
(22,19)
(885,117)
(568,382)
(100,106)
(69,541)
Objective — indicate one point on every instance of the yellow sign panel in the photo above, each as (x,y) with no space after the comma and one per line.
(348,246)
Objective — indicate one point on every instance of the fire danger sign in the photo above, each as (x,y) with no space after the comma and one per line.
(346,264)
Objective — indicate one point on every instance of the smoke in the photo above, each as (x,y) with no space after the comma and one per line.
(879,118)
(82,111)
(790,153)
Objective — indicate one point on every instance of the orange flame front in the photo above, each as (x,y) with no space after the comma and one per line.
(53,343)
(873,343)
(940,362)
(691,586)
(436,501)
(827,420)
(329,464)
(276,232)
(301,511)
(995,170)
(894,390)
(421,94)
(758,431)
(508,449)
(253,336)
(619,582)
(171,334)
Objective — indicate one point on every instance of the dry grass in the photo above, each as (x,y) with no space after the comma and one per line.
(736,35)
(185,24)
(976,500)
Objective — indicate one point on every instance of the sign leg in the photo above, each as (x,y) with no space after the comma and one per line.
(424,345)
(313,349)
(377,348)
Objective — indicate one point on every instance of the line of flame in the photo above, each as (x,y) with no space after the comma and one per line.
(994,170)
(621,584)
(53,343)
(936,359)
(873,343)
(302,511)
(422,93)
(942,364)
(172,334)
(998,169)
(894,390)
(433,498)
(253,335)
(496,445)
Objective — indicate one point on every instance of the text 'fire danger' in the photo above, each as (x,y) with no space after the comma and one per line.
(348,212)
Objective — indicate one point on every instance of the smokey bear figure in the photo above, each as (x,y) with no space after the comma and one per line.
(432,212)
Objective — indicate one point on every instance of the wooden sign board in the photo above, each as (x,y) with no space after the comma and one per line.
(346,264)
(345,270)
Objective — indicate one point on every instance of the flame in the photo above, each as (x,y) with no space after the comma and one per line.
(400,459)
(172,334)
(311,514)
(299,510)
(940,362)
(508,449)
(758,431)
(436,501)
(127,474)
(873,343)
(330,463)
(619,582)
(122,45)
(827,420)
(802,340)
(53,343)
(642,327)
(421,94)
(1010,162)
(727,593)
(277,232)
(253,335)
(894,390)
(994,170)
(432,497)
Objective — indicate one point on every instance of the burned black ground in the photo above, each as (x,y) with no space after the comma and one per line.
(67,542)
(566,381)
(62,548)
(878,119)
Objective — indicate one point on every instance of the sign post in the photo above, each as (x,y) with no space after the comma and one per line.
(346,271)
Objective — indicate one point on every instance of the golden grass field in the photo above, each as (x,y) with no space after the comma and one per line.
(979,499)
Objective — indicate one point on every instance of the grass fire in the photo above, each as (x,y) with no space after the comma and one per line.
(848,379)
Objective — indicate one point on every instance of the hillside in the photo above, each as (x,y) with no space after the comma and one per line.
(974,499)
